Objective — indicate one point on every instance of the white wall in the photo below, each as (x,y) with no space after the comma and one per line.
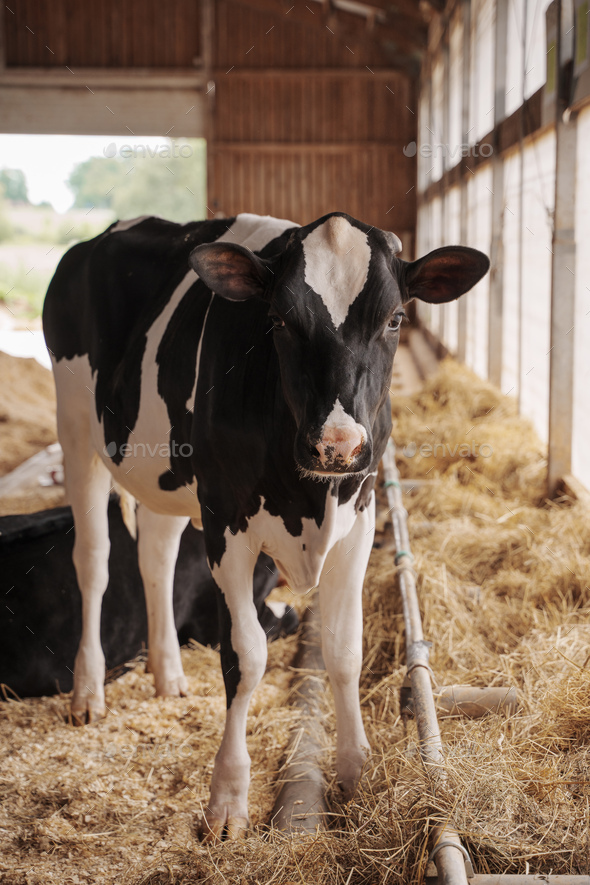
(438,134)
(481,106)
(455,134)
(581,330)
(539,194)
(535,52)
(527,240)
(451,236)
(510,294)
(525,351)
(479,211)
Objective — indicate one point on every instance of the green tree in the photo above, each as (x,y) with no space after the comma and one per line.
(162,182)
(93,181)
(13,185)
(173,187)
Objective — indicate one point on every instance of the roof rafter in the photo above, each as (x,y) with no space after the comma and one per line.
(402,38)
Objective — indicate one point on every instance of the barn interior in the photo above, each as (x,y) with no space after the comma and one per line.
(446,121)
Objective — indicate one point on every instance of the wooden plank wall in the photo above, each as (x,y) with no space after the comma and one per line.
(301,122)
(302,126)
(101,33)
(247,38)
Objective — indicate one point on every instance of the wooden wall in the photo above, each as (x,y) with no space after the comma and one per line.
(300,121)
(303,126)
(101,33)
(247,38)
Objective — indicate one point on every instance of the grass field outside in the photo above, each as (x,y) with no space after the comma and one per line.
(37,237)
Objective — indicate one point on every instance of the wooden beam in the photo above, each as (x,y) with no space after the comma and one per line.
(408,8)
(446,120)
(402,35)
(207,25)
(526,119)
(462,305)
(496,300)
(387,73)
(504,137)
(290,147)
(2,42)
(42,110)
(103,78)
(563,293)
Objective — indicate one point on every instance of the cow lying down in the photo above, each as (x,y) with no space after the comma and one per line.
(235,373)
(41,620)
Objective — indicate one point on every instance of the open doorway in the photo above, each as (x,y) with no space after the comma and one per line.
(56,190)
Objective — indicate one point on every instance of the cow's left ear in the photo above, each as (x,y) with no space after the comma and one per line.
(443,274)
(231,271)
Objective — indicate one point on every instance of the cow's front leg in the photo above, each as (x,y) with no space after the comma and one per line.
(341,588)
(158,539)
(243,660)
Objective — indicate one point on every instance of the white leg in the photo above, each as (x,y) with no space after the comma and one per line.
(87,484)
(243,660)
(158,539)
(341,588)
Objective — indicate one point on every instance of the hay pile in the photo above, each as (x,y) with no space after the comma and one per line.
(27,425)
(504,581)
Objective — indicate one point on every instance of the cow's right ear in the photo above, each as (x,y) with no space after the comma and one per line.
(231,271)
(443,275)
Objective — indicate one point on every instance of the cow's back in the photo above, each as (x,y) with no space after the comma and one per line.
(124,319)
(106,290)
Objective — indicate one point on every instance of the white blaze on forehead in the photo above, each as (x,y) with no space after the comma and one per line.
(337,257)
(339,419)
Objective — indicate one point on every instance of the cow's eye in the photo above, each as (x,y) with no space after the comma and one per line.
(395,322)
(277,322)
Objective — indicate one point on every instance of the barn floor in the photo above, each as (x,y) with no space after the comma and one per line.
(504,581)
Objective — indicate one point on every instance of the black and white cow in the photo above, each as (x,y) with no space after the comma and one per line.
(235,372)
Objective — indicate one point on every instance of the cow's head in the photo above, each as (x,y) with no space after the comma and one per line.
(336,297)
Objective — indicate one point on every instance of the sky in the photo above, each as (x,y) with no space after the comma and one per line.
(47,160)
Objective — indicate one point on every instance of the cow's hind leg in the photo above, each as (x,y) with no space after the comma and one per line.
(341,589)
(243,660)
(158,540)
(88,483)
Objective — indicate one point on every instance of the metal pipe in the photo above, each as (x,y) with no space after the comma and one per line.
(301,803)
(466,700)
(447,852)
(538,879)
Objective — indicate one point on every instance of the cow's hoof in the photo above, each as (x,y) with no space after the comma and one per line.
(215,829)
(172,688)
(85,712)
(350,769)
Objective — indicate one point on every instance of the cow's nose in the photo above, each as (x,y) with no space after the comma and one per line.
(339,444)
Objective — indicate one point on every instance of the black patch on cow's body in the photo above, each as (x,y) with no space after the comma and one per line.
(176,379)
(103,299)
(245,431)
(230,666)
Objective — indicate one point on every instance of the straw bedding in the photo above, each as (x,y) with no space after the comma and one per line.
(504,582)
(27,425)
